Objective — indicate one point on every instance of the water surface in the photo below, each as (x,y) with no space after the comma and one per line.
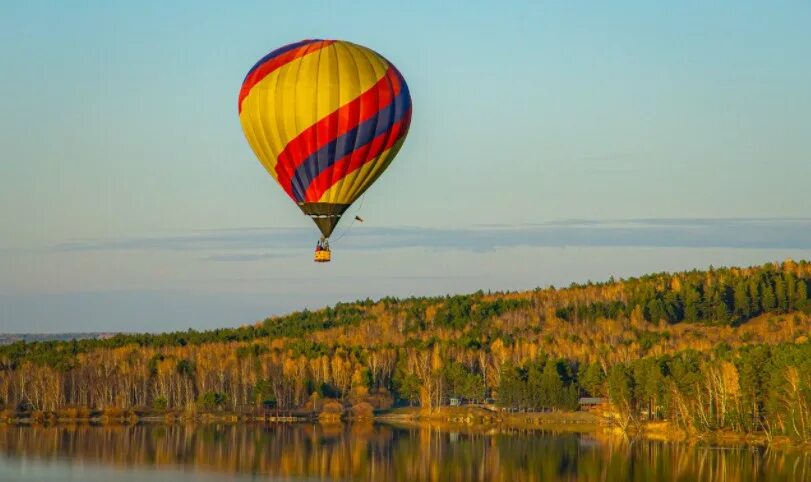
(371,452)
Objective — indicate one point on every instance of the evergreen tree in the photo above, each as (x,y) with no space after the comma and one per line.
(692,303)
(535,390)
(754,298)
(673,306)
(551,386)
(649,382)
(720,308)
(571,398)
(654,311)
(801,296)
(513,387)
(743,305)
(780,295)
(461,383)
(593,380)
(767,298)
(791,290)
(621,386)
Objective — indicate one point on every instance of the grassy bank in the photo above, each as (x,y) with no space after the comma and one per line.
(480,419)
(477,419)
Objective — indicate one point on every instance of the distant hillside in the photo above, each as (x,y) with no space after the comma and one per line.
(8,338)
(721,348)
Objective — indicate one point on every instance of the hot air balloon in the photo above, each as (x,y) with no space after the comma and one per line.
(325,118)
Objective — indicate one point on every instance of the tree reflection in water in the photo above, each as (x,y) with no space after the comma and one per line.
(380,452)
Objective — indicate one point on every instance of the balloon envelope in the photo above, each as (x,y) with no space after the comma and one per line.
(325,118)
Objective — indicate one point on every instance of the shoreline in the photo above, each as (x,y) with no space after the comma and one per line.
(468,419)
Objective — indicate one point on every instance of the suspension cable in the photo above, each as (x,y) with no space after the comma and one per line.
(360,206)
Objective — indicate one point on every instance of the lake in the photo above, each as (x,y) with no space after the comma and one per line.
(300,452)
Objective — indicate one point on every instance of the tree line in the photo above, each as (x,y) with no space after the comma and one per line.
(714,349)
(723,297)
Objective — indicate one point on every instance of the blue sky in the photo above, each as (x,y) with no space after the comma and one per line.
(550,143)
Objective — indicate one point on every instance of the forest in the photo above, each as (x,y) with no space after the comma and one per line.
(719,349)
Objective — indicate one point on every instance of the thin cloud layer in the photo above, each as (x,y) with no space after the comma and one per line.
(235,245)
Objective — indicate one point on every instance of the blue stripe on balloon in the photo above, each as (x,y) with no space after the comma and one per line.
(277,52)
(352,140)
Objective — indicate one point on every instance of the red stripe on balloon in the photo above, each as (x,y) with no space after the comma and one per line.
(358,158)
(275,63)
(334,125)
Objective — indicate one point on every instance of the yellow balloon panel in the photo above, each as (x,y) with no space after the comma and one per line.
(325,118)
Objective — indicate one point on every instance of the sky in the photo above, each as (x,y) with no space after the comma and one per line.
(551,142)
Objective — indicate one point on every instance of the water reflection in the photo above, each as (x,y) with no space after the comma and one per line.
(381,452)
